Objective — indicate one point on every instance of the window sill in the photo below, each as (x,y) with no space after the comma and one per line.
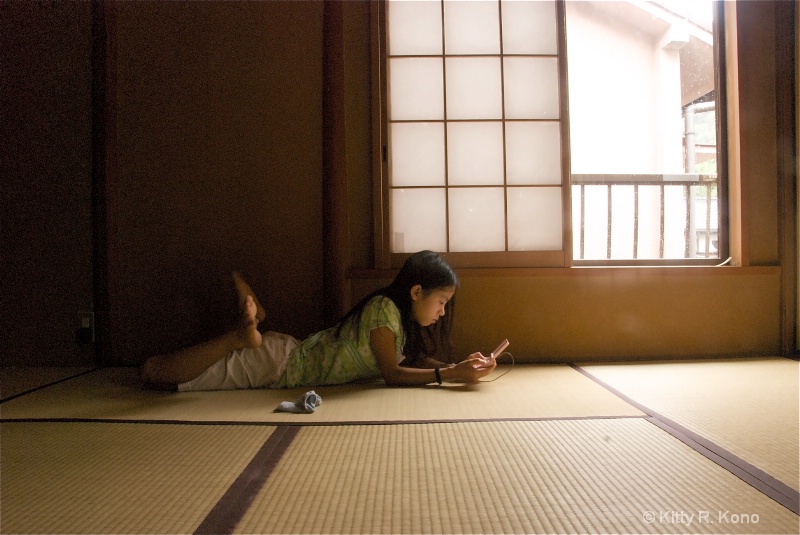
(586,271)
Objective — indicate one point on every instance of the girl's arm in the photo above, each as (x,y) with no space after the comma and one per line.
(383,345)
(424,363)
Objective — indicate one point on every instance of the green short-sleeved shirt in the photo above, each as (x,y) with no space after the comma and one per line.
(327,359)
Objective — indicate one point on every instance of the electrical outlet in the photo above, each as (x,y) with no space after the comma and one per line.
(85,333)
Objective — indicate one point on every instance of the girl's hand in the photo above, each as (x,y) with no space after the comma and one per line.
(470,370)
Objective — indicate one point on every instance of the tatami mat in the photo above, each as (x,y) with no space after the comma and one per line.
(544,449)
(527,391)
(575,476)
(118,478)
(750,407)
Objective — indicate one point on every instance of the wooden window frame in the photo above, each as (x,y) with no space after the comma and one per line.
(386,259)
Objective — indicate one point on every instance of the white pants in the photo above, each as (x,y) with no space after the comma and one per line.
(257,367)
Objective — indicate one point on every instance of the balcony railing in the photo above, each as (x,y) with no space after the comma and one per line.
(659,216)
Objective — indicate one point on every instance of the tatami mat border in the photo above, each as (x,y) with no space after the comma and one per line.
(755,477)
(233,505)
(230,509)
(308,424)
(236,501)
(751,475)
(49,384)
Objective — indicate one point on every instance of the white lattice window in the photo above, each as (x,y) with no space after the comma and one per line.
(490,157)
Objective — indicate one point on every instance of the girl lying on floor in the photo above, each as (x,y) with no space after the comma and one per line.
(392,333)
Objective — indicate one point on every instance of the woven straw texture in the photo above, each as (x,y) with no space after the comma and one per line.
(525,392)
(545,449)
(578,476)
(17,380)
(750,407)
(117,478)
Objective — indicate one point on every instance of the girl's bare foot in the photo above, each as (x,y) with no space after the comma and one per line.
(246,330)
(188,363)
(243,289)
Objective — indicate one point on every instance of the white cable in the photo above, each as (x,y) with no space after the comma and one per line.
(502,374)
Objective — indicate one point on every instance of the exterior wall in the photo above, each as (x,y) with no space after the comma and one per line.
(634,131)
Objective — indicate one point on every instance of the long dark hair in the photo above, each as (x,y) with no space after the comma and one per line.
(432,272)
